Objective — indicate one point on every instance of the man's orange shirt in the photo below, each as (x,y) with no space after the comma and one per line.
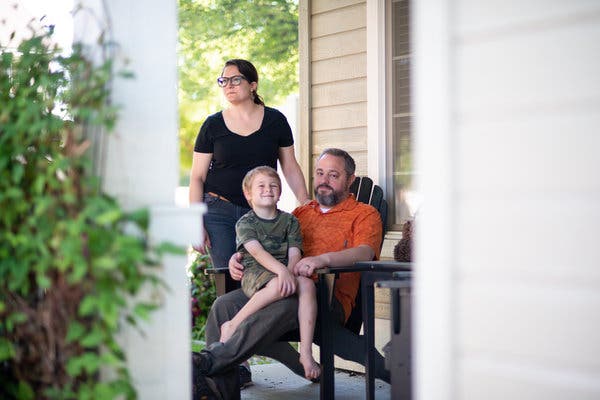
(348,224)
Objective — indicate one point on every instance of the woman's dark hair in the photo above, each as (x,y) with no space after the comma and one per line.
(249,71)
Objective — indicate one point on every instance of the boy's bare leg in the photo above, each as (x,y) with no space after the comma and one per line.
(307,313)
(263,297)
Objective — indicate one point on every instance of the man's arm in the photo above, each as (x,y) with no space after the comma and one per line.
(236,269)
(308,265)
(367,235)
(294,255)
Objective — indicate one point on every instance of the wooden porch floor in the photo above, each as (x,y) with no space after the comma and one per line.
(275,381)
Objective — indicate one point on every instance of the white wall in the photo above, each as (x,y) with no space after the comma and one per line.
(508,284)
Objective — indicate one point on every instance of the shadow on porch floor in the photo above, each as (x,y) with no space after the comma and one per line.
(275,381)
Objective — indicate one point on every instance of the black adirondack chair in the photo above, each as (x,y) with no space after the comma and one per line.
(366,192)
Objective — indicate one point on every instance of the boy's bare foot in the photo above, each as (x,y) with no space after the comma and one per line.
(312,369)
(227,330)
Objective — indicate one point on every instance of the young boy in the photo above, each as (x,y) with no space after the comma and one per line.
(271,244)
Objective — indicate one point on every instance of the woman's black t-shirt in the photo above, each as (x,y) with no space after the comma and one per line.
(234,155)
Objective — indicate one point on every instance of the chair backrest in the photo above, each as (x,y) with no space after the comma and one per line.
(366,192)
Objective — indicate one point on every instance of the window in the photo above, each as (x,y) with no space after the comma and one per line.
(400,169)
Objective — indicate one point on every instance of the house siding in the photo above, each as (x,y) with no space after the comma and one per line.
(528,193)
(521,297)
(338,64)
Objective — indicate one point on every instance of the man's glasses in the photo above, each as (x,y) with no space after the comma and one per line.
(233,81)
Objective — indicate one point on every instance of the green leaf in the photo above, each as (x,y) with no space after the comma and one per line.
(126,74)
(18,317)
(78,272)
(143,310)
(17,173)
(88,362)
(43,281)
(108,217)
(93,339)
(105,263)
(25,392)
(170,248)
(75,331)
(7,349)
(88,306)
(111,359)
(141,217)
(13,193)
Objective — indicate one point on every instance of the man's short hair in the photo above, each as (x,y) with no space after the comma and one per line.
(349,164)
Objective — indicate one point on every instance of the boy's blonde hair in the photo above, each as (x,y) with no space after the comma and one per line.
(263,169)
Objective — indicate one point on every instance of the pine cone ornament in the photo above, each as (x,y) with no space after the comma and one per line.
(403,249)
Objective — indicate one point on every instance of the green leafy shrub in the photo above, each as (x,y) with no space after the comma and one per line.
(203,293)
(68,270)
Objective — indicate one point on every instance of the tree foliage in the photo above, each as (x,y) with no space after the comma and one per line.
(71,259)
(264,32)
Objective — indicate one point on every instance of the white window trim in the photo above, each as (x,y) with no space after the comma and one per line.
(376,93)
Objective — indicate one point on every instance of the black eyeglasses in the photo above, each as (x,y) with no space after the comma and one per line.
(233,80)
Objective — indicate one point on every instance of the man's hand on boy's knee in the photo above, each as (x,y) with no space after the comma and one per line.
(236,269)
(308,265)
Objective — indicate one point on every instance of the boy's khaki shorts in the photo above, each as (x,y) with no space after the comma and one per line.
(255,278)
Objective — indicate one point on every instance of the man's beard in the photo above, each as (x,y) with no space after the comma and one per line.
(328,200)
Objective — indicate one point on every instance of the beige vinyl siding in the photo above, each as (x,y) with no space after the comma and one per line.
(335,117)
(338,64)
(336,93)
(322,6)
(339,68)
(339,44)
(353,139)
(339,20)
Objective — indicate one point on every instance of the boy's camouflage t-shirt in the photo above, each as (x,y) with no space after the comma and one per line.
(276,236)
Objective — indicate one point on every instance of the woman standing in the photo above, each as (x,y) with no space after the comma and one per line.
(230,143)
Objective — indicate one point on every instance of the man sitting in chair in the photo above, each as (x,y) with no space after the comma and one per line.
(337,230)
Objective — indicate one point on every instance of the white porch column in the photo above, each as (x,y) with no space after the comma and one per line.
(140,167)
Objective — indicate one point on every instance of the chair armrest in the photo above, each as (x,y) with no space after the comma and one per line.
(209,271)
(375,270)
(365,266)
(223,282)
(395,284)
